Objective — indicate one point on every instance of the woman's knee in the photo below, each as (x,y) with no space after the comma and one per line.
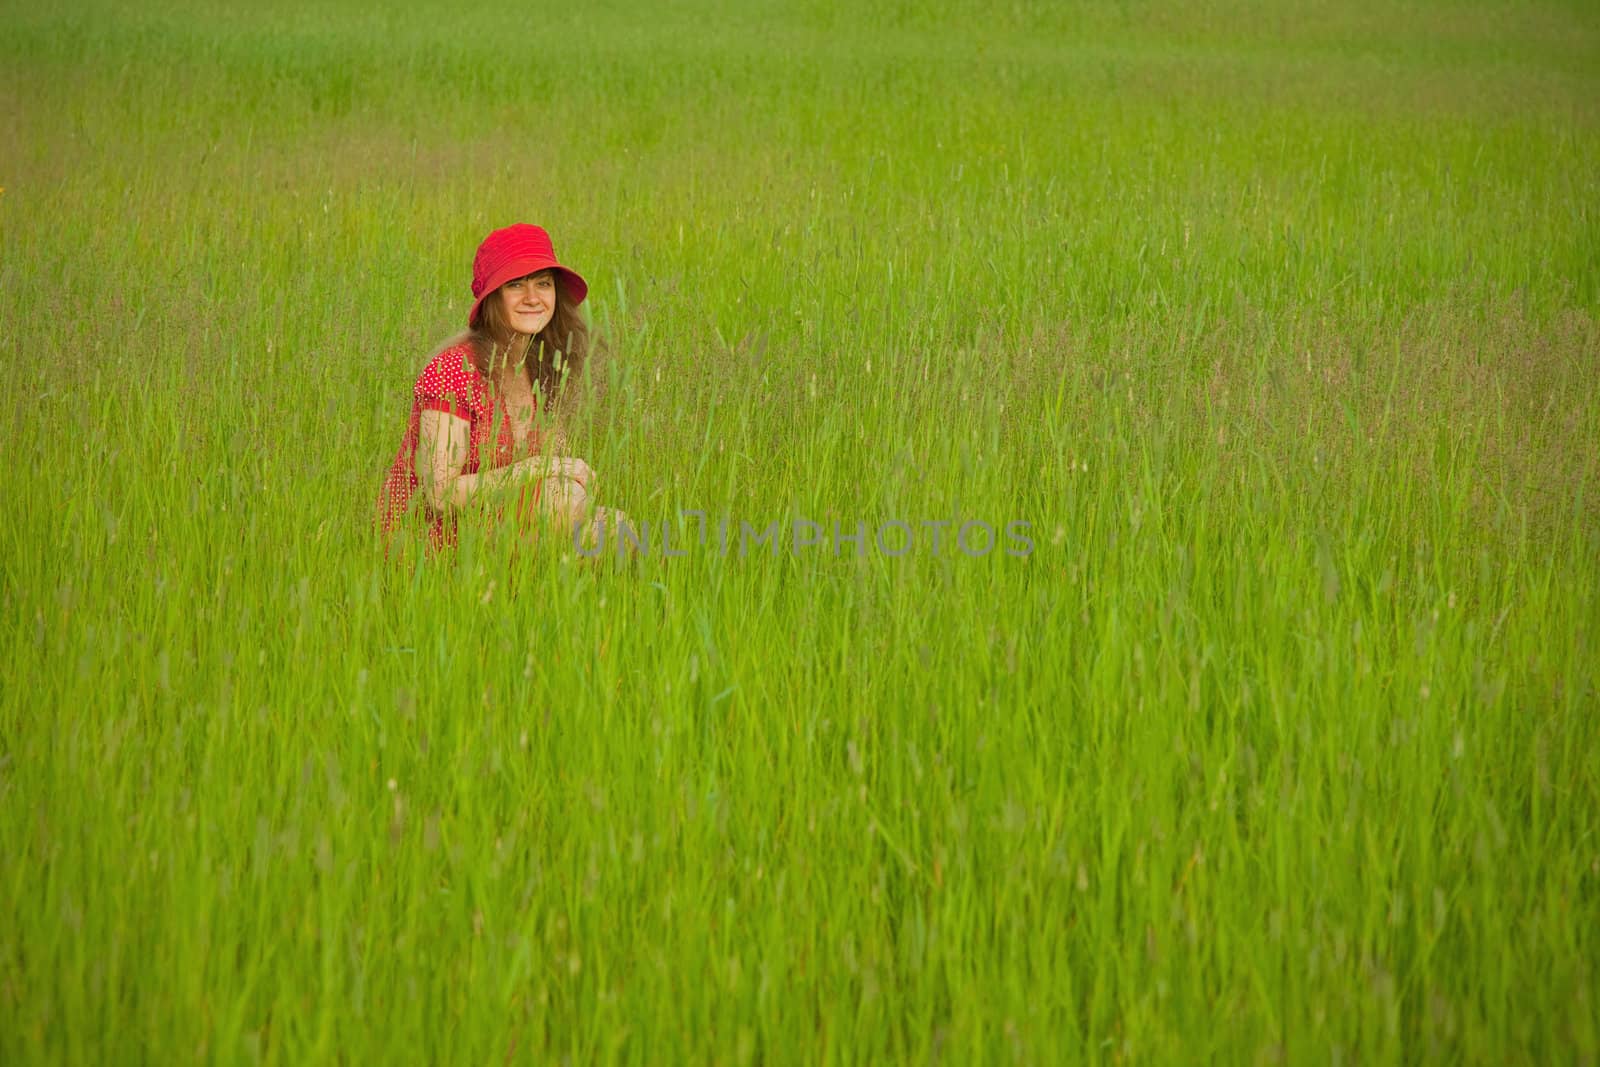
(568,500)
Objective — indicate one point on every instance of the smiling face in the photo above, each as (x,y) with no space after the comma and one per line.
(527,304)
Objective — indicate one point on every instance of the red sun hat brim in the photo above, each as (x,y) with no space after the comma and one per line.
(516,252)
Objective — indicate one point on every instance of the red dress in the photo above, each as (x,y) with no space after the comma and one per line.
(451,383)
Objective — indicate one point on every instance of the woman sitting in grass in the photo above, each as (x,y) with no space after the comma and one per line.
(473,436)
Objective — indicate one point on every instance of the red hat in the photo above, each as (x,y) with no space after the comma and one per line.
(516,252)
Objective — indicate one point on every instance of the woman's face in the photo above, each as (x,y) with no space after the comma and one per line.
(528,303)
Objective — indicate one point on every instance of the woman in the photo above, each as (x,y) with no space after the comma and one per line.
(473,431)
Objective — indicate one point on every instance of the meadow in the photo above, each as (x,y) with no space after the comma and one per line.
(1277,323)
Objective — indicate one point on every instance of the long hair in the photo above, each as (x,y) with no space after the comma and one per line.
(555,356)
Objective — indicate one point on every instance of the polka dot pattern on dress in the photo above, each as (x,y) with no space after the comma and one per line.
(451,384)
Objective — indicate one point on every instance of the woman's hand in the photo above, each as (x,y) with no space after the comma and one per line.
(576,469)
(538,468)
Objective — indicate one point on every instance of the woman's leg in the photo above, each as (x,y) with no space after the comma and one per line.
(568,503)
(563,500)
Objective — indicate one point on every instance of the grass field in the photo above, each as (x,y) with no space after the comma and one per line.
(1278,323)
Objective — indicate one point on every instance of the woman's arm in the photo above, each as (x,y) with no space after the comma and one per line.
(442,446)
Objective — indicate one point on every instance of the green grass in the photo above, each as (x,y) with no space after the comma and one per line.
(1278,322)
